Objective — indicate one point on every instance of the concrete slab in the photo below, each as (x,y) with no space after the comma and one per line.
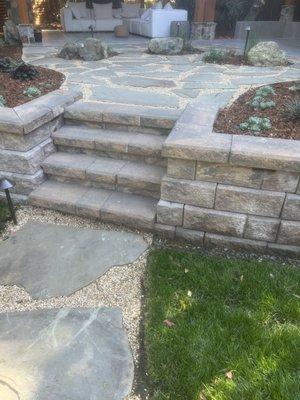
(64,354)
(51,260)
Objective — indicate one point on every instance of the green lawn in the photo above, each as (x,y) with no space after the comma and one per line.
(4,216)
(236,332)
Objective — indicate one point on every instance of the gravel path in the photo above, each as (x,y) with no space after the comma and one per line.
(119,287)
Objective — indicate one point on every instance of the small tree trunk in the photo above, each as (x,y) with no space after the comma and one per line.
(287,11)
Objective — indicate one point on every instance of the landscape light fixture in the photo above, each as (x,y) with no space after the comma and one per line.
(248,29)
(5,185)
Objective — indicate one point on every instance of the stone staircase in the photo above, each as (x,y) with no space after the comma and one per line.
(108,163)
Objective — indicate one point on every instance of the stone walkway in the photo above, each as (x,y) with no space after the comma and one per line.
(135,77)
(72,344)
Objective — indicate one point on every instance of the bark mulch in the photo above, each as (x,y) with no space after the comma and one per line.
(230,118)
(12,90)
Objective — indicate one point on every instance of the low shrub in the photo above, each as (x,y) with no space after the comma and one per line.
(218,56)
(24,71)
(259,100)
(6,64)
(293,110)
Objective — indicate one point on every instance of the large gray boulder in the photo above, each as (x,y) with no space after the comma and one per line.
(265,54)
(93,50)
(90,50)
(171,46)
(70,51)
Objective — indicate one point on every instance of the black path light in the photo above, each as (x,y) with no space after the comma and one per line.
(6,185)
(248,29)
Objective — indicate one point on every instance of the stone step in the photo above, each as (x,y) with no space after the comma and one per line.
(106,205)
(106,173)
(111,114)
(110,143)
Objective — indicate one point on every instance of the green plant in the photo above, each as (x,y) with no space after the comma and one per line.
(256,124)
(5,64)
(259,101)
(293,109)
(24,71)
(2,101)
(265,91)
(218,56)
(32,91)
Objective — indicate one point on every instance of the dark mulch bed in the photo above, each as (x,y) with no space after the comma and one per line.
(14,52)
(12,90)
(229,119)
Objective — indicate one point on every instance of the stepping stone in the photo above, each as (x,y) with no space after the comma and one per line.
(66,354)
(50,260)
(144,82)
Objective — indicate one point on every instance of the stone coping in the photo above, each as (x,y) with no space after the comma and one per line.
(25,118)
(193,138)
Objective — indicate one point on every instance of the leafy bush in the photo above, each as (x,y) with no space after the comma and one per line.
(32,91)
(256,124)
(2,101)
(6,64)
(24,71)
(293,109)
(218,56)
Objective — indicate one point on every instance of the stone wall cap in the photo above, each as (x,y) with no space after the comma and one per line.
(196,141)
(29,116)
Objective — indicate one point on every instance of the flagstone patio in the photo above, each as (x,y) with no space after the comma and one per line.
(136,77)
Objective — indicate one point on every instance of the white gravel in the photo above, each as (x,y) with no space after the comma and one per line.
(119,287)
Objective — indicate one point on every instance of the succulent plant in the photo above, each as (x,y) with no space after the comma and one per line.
(265,91)
(259,101)
(2,101)
(256,124)
(32,91)
(6,64)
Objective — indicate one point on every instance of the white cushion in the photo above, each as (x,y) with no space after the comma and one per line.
(79,10)
(103,11)
(157,6)
(168,6)
(130,10)
(146,15)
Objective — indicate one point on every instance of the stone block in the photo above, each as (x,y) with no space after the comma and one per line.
(10,121)
(289,233)
(169,213)
(236,244)
(23,183)
(259,228)
(22,142)
(194,142)
(33,116)
(201,116)
(200,194)
(227,174)
(251,201)
(291,208)
(22,162)
(214,221)
(90,204)
(165,230)
(280,181)
(56,101)
(266,153)
(284,250)
(190,235)
(182,169)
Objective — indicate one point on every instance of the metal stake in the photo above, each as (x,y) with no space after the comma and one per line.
(11,206)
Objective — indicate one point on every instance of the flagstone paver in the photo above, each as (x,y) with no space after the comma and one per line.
(50,260)
(64,354)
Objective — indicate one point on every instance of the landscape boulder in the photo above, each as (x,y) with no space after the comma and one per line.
(267,54)
(70,51)
(167,46)
(90,50)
